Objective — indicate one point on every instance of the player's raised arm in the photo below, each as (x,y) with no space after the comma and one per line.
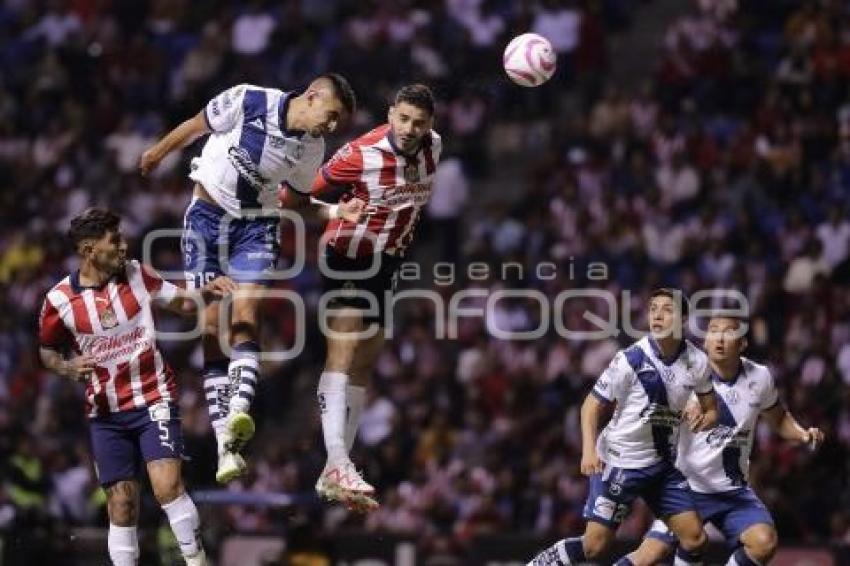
(341,170)
(179,137)
(605,392)
(185,302)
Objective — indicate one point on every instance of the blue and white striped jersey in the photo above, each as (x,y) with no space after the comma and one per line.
(718,460)
(250,152)
(650,394)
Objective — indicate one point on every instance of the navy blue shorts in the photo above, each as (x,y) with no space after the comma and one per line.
(662,487)
(732,512)
(381,285)
(123,442)
(214,243)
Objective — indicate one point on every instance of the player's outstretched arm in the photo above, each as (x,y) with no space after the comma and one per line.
(179,137)
(783,422)
(591,411)
(187,302)
(77,368)
(351,210)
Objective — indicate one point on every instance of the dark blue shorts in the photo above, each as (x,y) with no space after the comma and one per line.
(662,487)
(381,285)
(214,243)
(123,442)
(732,512)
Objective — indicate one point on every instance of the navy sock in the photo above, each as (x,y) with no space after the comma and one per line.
(575,550)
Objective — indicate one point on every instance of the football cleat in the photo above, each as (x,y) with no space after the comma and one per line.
(240,429)
(550,557)
(342,483)
(231,465)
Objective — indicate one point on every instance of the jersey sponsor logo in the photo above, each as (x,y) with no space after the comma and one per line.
(106,348)
(723,435)
(661,415)
(245,166)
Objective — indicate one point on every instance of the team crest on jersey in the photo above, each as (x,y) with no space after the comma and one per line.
(108,319)
(732,397)
(411,172)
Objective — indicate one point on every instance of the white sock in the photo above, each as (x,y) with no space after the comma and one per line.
(355,399)
(244,371)
(123,544)
(185,523)
(331,394)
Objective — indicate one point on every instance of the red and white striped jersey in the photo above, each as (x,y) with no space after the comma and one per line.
(114,324)
(395,187)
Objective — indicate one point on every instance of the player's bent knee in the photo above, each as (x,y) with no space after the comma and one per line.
(596,542)
(761,542)
(167,490)
(121,502)
(693,541)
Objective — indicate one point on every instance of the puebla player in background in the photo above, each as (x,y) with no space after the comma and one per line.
(260,138)
(650,382)
(97,327)
(391,169)
(717,462)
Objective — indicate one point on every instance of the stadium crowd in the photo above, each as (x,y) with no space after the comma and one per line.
(729,168)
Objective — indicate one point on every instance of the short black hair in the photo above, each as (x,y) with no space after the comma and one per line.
(92,224)
(417,95)
(342,91)
(674,295)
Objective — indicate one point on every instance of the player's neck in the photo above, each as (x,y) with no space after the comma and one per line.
(726,369)
(91,276)
(668,346)
(294,114)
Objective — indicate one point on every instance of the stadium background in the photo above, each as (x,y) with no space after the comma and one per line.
(700,144)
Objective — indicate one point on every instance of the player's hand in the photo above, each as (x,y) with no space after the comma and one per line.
(352,210)
(591,464)
(813,437)
(693,415)
(219,287)
(79,368)
(148,162)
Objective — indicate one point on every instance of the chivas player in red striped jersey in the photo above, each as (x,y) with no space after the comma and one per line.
(391,169)
(101,316)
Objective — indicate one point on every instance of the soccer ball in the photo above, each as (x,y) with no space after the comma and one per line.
(529,60)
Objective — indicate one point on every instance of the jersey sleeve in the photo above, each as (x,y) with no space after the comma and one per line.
(223,112)
(770,394)
(52,332)
(159,289)
(611,385)
(302,179)
(345,167)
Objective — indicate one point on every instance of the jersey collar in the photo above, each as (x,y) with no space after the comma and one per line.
(79,288)
(658,354)
(716,377)
(283,108)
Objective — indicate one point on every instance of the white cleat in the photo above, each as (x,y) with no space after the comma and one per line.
(342,483)
(231,465)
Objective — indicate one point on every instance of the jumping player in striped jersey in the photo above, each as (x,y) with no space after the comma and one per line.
(97,327)
(650,382)
(260,138)
(390,168)
(717,462)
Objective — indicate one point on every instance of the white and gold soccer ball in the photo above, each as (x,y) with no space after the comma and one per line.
(529,60)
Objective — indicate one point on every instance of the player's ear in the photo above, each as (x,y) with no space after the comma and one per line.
(744,344)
